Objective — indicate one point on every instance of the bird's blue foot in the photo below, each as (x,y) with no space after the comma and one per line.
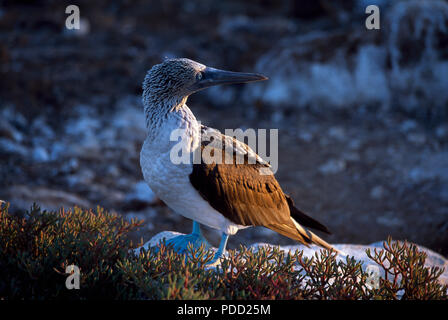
(180,243)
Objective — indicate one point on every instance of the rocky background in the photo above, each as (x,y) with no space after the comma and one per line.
(362,114)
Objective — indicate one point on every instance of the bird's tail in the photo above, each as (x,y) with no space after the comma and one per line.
(304,219)
(295,231)
(312,238)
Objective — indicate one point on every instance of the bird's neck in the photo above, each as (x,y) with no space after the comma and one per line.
(158,111)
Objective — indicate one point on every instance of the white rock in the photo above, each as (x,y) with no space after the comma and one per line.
(352,250)
(333,166)
(442,131)
(9,146)
(416,138)
(337,133)
(408,125)
(389,220)
(40,154)
(9,131)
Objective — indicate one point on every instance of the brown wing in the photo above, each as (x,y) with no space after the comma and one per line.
(239,191)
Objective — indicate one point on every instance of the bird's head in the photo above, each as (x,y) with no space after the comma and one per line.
(181,77)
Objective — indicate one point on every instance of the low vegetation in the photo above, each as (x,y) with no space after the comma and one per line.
(36,249)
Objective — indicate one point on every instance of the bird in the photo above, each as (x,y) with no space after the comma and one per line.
(221,195)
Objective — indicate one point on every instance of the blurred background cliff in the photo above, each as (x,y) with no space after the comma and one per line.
(362,114)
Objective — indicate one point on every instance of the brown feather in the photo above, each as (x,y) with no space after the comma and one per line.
(305,219)
(246,197)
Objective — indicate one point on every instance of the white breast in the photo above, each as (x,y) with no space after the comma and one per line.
(169,181)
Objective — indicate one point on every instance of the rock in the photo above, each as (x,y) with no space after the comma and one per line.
(355,144)
(337,133)
(377,192)
(431,167)
(40,129)
(84,126)
(70,166)
(146,215)
(333,166)
(277,116)
(416,138)
(13,117)
(418,80)
(442,132)
(305,136)
(390,221)
(57,150)
(358,252)
(84,29)
(22,197)
(352,250)
(8,146)
(83,176)
(40,154)
(227,95)
(140,196)
(135,215)
(348,68)
(408,125)
(129,113)
(324,141)
(351,156)
(300,76)
(84,131)
(8,131)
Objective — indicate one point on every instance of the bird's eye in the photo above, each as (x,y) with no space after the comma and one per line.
(199,76)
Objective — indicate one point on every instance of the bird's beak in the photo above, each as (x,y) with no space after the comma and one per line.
(213,77)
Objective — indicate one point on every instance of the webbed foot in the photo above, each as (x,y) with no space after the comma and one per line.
(180,243)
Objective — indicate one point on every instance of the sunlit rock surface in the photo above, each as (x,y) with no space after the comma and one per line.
(352,250)
(402,66)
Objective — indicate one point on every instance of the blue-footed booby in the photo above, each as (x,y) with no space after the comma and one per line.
(222,195)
